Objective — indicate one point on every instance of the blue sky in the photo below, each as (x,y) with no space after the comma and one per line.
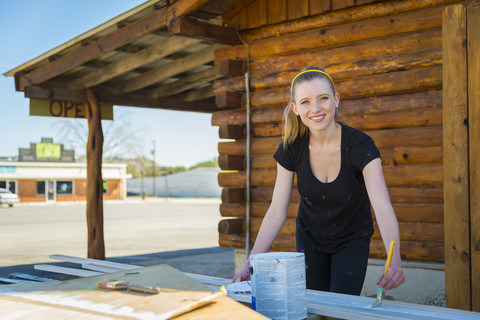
(28,28)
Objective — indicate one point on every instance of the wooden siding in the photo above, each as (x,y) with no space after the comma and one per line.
(386,62)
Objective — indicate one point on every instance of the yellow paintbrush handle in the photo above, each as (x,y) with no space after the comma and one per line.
(389,258)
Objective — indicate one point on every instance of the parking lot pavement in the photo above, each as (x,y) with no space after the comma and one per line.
(180,232)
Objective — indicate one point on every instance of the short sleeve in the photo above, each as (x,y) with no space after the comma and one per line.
(364,150)
(285,157)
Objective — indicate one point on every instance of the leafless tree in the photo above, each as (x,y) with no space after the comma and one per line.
(122,137)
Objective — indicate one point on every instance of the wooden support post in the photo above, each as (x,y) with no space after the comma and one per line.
(455,159)
(96,245)
(473,63)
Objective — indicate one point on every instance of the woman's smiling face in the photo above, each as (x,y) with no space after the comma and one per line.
(315,103)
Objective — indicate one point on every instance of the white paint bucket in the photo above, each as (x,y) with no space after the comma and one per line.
(278,285)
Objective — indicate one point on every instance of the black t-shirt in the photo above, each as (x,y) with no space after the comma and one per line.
(335,214)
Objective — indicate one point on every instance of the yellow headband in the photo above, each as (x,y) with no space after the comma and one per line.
(310,70)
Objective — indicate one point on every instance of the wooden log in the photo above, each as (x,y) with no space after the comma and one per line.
(190,27)
(473,63)
(365,105)
(340,34)
(408,175)
(414,175)
(267,129)
(232,147)
(411,251)
(424,136)
(455,160)
(257,209)
(233,195)
(417,155)
(352,60)
(231,162)
(416,194)
(95,241)
(231,131)
(389,46)
(232,68)
(418,232)
(231,226)
(288,228)
(228,99)
(401,81)
(419,212)
(357,13)
(263,161)
(396,119)
(353,68)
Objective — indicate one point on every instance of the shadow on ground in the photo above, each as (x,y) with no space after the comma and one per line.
(214,261)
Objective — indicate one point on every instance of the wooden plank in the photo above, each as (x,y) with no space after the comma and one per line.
(228,99)
(64,270)
(104,263)
(18,275)
(153,53)
(297,9)
(190,27)
(276,11)
(177,66)
(257,13)
(455,159)
(12,281)
(473,63)
(232,68)
(179,294)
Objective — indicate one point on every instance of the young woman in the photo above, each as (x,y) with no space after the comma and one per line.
(339,175)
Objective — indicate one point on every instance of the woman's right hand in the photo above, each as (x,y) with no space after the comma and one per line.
(243,274)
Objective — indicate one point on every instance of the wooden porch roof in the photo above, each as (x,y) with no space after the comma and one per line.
(157,55)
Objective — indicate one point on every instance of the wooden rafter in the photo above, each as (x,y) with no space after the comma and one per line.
(169,70)
(194,28)
(136,60)
(112,41)
(186,83)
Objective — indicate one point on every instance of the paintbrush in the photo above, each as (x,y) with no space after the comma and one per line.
(380,293)
(125,285)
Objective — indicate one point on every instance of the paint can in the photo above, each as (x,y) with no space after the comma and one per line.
(279,285)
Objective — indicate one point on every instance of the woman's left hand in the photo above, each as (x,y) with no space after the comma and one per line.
(392,279)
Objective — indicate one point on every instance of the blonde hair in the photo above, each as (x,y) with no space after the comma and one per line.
(293,127)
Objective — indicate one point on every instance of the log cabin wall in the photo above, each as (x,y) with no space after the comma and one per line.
(386,60)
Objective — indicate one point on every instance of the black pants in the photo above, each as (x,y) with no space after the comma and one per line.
(341,272)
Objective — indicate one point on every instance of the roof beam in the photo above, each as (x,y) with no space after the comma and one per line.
(116,39)
(169,70)
(156,52)
(194,28)
(129,100)
(186,83)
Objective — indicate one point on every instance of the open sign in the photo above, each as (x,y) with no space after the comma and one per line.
(65,109)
